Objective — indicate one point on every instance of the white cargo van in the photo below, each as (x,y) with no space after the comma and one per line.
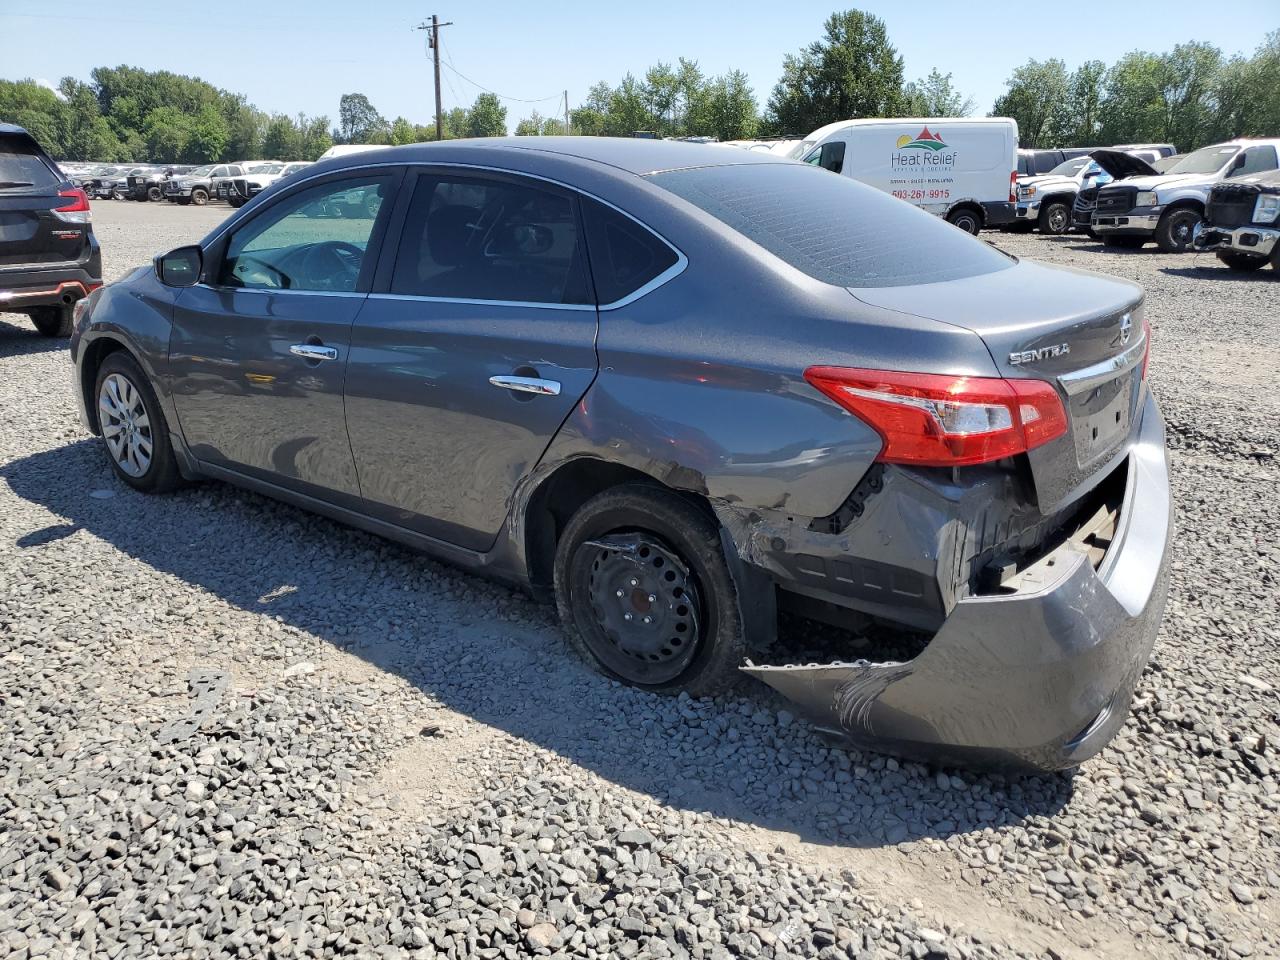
(963,169)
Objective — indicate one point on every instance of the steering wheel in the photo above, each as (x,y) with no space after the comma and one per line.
(253,272)
(332,264)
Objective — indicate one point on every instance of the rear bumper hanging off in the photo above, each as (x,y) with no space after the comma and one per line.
(1038,677)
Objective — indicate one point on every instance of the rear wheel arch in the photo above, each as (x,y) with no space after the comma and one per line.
(559,496)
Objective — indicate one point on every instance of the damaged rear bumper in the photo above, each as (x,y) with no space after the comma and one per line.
(1037,678)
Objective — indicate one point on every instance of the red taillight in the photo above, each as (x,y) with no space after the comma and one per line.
(1013,187)
(77,211)
(931,420)
(79,201)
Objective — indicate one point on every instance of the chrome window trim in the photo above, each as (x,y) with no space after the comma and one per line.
(276,291)
(1078,381)
(666,276)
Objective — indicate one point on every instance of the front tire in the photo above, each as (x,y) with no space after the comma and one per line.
(1176,229)
(967,219)
(133,428)
(1055,218)
(53,321)
(1241,262)
(154,194)
(645,594)
(199,196)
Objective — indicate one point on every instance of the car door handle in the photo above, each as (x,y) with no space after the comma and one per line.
(314,351)
(543,388)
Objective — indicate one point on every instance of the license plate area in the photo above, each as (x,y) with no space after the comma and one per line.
(1101,418)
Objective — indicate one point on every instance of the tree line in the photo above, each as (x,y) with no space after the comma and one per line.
(1189,96)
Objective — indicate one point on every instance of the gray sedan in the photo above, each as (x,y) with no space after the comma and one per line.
(677,390)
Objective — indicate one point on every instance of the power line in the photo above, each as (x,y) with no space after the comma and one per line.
(448,62)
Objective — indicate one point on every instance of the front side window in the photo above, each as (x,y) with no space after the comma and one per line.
(313,240)
(1256,160)
(473,238)
(834,229)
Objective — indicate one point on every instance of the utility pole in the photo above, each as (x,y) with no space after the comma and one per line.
(567,129)
(433,40)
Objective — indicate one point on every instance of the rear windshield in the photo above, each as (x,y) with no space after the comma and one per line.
(21,165)
(833,228)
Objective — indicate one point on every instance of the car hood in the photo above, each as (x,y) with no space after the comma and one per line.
(1043,181)
(1164,180)
(1121,165)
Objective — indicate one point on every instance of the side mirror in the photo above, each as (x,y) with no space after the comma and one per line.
(180,267)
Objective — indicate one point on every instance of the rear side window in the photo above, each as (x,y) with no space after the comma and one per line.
(472,238)
(22,164)
(834,229)
(624,255)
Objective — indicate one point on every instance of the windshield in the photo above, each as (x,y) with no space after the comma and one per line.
(800,149)
(1070,168)
(834,229)
(293,168)
(202,171)
(1205,160)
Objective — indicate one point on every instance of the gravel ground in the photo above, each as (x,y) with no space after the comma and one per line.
(231,728)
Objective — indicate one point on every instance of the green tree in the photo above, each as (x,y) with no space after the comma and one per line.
(530,126)
(1034,98)
(358,121)
(935,96)
(1079,122)
(487,117)
(282,139)
(729,109)
(853,71)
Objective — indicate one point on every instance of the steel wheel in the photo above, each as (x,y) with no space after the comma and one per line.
(647,606)
(126,425)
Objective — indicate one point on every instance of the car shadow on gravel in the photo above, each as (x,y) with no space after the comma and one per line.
(17,340)
(498,657)
(1220,274)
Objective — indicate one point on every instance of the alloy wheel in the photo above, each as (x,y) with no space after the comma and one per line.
(126,425)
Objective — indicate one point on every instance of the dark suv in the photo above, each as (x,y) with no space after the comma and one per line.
(49,257)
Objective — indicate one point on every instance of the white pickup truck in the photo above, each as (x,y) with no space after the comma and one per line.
(1045,200)
(1168,206)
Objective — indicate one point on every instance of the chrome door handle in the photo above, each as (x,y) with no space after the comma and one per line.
(544,388)
(314,351)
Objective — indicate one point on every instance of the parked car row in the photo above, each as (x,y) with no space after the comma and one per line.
(236,183)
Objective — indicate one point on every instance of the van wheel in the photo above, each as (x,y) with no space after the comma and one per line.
(52,321)
(1242,262)
(645,593)
(1055,218)
(1176,228)
(199,196)
(966,218)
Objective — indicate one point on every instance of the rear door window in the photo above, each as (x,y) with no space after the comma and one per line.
(834,229)
(22,165)
(498,240)
(625,256)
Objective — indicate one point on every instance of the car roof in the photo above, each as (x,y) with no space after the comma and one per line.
(632,155)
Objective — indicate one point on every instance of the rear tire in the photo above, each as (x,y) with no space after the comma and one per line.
(967,219)
(53,321)
(199,196)
(1176,228)
(1055,218)
(125,400)
(663,548)
(154,194)
(236,202)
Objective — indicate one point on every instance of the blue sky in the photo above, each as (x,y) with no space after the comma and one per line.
(305,55)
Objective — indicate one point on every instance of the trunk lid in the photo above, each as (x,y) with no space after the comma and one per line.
(1080,331)
(1120,164)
